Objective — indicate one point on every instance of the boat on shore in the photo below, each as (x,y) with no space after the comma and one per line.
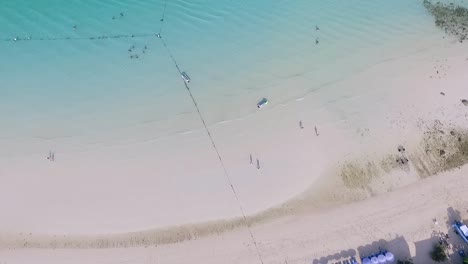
(185,77)
(262,103)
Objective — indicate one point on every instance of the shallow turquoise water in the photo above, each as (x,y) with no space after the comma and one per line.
(235,52)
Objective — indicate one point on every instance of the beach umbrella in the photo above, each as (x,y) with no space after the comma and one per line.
(366,261)
(374,260)
(390,258)
(382,259)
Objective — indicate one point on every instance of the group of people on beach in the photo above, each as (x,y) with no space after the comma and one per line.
(251,162)
(402,160)
(301,126)
(51,156)
(258,161)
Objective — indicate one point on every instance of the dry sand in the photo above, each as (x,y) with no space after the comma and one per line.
(401,221)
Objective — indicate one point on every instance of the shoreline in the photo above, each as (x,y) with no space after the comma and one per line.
(349,133)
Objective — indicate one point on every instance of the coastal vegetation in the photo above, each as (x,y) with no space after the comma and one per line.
(438,253)
(405,261)
(441,149)
(451,18)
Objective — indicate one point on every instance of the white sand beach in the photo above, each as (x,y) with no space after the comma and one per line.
(309,191)
(401,221)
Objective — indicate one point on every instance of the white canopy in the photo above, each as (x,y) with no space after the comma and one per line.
(382,259)
(374,260)
(464,230)
(389,256)
(366,261)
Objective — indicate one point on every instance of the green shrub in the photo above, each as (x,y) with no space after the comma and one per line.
(438,253)
(406,261)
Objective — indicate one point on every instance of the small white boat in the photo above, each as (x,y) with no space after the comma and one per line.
(262,103)
(185,77)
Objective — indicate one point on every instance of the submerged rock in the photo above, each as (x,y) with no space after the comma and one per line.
(449,17)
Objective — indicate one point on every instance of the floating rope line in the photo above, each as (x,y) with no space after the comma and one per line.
(95,37)
(163,16)
(226,173)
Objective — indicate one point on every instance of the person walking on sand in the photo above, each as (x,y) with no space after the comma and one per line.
(316,131)
(258,164)
(51,156)
(251,161)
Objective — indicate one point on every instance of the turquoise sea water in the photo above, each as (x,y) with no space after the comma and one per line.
(235,52)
